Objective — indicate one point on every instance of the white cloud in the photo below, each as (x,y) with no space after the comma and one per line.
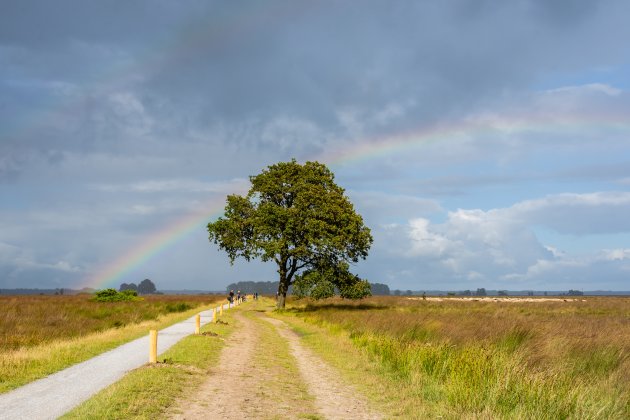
(426,243)
(615,254)
(499,246)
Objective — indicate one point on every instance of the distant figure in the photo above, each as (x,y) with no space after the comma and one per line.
(238,295)
(255,295)
(424,295)
(231,296)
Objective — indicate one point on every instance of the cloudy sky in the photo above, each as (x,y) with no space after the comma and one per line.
(486,144)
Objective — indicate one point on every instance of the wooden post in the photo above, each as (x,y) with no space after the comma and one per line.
(214,314)
(197,324)
(153,346)
(221,310)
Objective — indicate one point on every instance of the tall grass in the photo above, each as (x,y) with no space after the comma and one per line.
(27,321)
(44,334)
(493,359)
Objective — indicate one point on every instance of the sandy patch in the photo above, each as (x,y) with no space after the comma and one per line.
(496,299)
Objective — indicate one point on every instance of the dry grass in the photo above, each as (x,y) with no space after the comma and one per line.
(36,343)
(496,359)
(27,321)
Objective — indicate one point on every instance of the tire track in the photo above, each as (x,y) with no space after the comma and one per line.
(333,398)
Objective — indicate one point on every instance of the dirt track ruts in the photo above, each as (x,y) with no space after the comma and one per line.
(241,388)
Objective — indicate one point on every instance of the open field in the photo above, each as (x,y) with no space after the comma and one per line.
(546,359)
(26,321)
(411,358)
(40,335)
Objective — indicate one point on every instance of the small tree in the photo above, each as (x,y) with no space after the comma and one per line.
(146,287)
(130,286)
(296,216)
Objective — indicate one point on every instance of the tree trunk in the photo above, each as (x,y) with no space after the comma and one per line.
(283,285)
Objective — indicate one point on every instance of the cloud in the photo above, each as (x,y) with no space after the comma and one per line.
(500,249)
(178,185)
(20,268)
(115,122)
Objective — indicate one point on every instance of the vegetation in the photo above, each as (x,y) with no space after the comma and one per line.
(40,335)
(296,216)
(148,391)
(146,287)
(562,359)
(111,295)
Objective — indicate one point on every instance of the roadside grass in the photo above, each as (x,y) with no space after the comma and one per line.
(280,380)
(29,321)
(478,359)
(26,364)
(146,392)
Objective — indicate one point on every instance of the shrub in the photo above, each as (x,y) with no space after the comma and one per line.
(111,295)
(177,307)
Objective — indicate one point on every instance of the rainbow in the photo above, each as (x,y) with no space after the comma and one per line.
(110,274)
(365,149)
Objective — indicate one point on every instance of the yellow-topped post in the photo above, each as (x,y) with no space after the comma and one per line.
(153,346)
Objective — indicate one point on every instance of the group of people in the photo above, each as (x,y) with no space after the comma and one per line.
(239,296)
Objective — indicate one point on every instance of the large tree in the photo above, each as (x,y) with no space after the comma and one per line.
(296,216)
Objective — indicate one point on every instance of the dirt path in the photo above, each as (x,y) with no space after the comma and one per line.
(264,372)
(248,383)
(230,384)
(333,398)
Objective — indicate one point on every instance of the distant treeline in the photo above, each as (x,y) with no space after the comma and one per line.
(271,287)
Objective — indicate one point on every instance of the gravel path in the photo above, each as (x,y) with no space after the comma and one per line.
(55,395)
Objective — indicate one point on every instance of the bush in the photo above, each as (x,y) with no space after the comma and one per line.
(177,307)
(111,295)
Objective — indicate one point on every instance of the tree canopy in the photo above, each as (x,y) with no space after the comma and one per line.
(146,287)
(296,216)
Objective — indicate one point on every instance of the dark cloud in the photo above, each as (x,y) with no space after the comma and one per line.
(181,95)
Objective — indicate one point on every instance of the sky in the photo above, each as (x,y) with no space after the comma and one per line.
(486,144)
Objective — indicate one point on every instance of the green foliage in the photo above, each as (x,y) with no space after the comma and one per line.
(178,307)
(146,287)
(129,292)
(323,281)
(125,286)
(296,216)
(111,295)
(313,284)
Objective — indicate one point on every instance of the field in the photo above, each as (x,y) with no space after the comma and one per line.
(40,335)
(411,357)
(26,321)
(457,358)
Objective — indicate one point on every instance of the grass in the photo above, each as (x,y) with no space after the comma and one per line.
(279,376)
(70,345)
(148,391)
(27,321)
(480,359)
